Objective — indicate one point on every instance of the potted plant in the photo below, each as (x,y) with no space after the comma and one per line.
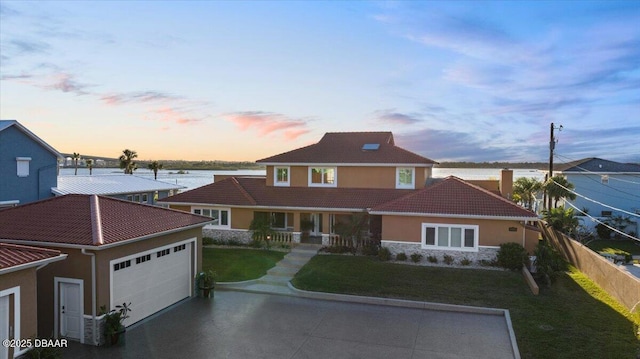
(113,322)
(206,281)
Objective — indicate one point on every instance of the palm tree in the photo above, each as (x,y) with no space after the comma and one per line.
(126,161)
(89,163)
(155,166)
(562,220)
(525,190)
(555,190)
(75,157)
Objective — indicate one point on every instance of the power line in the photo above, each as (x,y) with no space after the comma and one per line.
(604,224)
(594,201)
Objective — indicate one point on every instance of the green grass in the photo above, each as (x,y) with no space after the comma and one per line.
(572,319)
(620,246)
(234,265)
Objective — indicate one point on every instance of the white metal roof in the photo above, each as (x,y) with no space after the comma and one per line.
(110,184)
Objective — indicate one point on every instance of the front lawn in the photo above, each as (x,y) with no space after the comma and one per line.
(615,246)
(235,265)
(573,319)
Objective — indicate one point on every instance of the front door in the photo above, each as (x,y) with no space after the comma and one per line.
(4,325)
(70,310)
(317,224)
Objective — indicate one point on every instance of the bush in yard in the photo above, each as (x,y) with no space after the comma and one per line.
(370,248)
(384,254)
(432,259)
(416,257)
(448,259)
(465,261)
(207,241)
(512,256)
(401,256)
(549,263)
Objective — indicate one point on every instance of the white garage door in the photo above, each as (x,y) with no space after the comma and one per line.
(152,280)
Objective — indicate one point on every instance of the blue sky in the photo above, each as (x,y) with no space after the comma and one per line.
(214,80)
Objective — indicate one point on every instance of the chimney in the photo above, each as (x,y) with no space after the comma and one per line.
(506,183)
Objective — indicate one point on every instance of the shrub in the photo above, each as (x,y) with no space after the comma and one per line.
(448,259)
(432,259)
(465,261)
(548,263)
(401,256)
(207,241)
(416,257)
(235,242)
(256,243)
(512,256)
(384,254)
(338,249)
(370,248)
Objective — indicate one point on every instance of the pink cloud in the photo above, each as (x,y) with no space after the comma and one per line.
(267,123)
(66,83)
(168,114)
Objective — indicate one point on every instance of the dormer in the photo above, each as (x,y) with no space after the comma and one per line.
(349,160)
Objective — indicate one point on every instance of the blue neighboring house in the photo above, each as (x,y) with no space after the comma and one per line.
(28,165)
(612,183)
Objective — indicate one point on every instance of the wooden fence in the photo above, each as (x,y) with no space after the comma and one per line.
(619,283)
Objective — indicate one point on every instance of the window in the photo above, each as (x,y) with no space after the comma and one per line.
(179,248)
(122,265)
(605,213)
(604,179)
(281,176)
(22,164)
(405,178)
(446,236)
(136,198)
(163,253)
(220,216)
(144,198)
(144,258)
(322,177)
(129,197)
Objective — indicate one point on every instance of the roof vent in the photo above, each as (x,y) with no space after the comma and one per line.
(370,146)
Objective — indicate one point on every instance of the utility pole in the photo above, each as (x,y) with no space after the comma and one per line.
(552,146)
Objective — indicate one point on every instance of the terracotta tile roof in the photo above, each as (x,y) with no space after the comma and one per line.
(254,192)
(12,255)
(454,196)
(89,220)
(347,147)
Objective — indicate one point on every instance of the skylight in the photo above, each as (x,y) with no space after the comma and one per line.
(370,146)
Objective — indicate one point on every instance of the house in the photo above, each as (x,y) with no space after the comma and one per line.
(127,187)
(18,292)
(29,166)
(117,252)
(603,182)
(357,172)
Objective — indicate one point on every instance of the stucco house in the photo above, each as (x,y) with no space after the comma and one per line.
(117,251)
(28,165)
(18,292)
(128,187)
(355,172)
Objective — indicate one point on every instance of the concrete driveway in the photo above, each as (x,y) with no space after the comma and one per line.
(250,325)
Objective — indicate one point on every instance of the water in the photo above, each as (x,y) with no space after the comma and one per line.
(198,178)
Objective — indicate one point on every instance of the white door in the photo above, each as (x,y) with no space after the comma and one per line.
(4,325)
(152,280)
(70,310)
(317,224)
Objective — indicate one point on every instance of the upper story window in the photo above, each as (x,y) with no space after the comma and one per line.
(322,177)
(450,236)
(405,177)
(23,166)
(281,176)
(220,216)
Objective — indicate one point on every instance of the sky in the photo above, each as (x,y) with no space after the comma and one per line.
(240,81)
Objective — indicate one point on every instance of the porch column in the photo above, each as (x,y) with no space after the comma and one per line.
(325,223)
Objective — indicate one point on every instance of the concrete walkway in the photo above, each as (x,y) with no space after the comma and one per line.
(277,279)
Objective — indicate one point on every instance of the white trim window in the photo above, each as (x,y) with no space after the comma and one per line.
(22,166)
(221,216)
(281,176)
(323,176)
(405,178)
(450,237)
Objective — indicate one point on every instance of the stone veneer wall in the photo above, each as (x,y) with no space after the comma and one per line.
(227,234)
(483,253)
(88,330)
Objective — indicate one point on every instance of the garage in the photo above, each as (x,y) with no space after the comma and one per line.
(152,280)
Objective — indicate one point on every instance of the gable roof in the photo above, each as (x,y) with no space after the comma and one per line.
(90,220)
(16,257)
(5,124)
(348,148)
(454,197)
(598,165)
(254,192)
(110,184)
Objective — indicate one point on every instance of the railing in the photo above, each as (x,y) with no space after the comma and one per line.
(278,237)
(336,240)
